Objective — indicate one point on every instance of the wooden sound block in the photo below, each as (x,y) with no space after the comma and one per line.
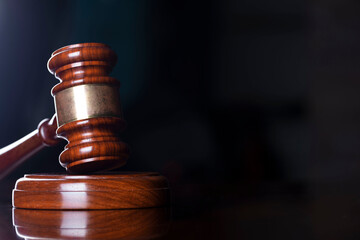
(97,191)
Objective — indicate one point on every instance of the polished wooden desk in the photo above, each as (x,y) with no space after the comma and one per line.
(331,213)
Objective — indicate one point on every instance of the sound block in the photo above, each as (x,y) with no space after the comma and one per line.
(96,191)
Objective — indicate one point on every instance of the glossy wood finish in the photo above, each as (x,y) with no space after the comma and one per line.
(101,224)
(14,154)
(94,143)
(100,191)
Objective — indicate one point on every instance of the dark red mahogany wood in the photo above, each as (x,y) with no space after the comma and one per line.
(150,223)
(14,154)
(94,143)
(100,191)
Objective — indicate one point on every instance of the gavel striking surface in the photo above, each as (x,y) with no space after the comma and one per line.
(99,191)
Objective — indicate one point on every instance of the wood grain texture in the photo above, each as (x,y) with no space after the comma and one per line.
(100,191)
(94,145)
(94,142)
(101,224)
(85,63)
(14,154)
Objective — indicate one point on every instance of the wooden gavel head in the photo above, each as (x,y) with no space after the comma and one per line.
(88,108)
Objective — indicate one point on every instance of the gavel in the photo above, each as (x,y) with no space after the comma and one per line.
(88,114)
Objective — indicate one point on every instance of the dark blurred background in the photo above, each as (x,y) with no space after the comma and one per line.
(233,101)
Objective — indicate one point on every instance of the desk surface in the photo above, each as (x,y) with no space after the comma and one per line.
(280,215)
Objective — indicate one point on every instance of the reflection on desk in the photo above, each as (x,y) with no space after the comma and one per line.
(148,223)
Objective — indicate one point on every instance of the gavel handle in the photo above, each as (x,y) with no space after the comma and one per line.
(14,154)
